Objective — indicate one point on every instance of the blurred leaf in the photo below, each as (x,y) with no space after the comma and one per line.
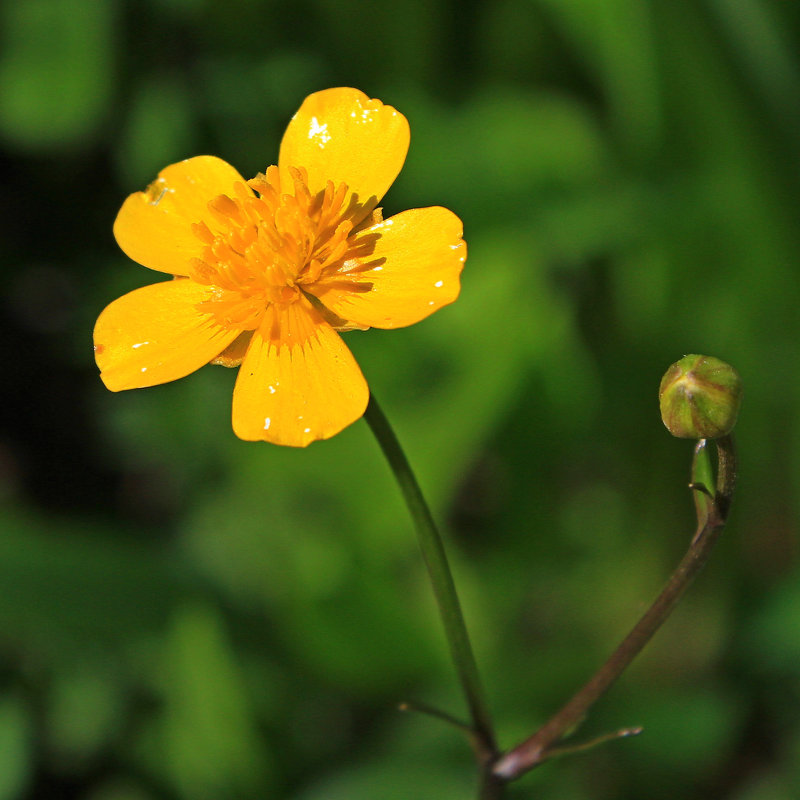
(760,38)
(617,39)
(187,8)
(120,790)
(767,631)
(208,732)
(64,582)
(766,786)
(85,712)
(685,729)
(55,71)
(249,101)
(498,158)
(16,752)
(158,131)
(516,43)
(390,781)
(402,35)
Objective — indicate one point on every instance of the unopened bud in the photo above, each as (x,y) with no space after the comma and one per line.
(700,397)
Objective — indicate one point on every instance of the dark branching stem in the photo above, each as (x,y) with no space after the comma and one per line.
(496,771)
(480,728)
(712,515)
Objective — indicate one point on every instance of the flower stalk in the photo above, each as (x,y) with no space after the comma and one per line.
(435,557)
(712,515)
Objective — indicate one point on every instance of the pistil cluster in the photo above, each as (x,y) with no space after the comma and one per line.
(269,247)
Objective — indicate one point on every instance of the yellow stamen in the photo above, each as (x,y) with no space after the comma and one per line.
(264,247)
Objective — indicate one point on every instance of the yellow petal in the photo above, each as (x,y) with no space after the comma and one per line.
(156,334)
(298,382)
(340,135)
(408,266)
(154,227)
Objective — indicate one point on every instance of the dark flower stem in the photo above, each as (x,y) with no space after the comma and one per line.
(712,515)
(433,552)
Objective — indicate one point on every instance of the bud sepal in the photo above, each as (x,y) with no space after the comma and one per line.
(700,397)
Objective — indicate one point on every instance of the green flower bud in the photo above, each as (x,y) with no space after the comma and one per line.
(700,397)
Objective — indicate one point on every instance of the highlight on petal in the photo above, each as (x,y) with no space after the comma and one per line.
(342,136)
(298,382)
(154,227)
(156,334)
(398,271)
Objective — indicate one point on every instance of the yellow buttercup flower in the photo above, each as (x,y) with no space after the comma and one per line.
(268,270)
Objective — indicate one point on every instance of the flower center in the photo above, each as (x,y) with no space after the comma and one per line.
(268,246)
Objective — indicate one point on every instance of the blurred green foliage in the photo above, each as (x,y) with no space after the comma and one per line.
(188,616)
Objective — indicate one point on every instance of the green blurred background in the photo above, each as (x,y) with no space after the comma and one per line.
(184,616)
